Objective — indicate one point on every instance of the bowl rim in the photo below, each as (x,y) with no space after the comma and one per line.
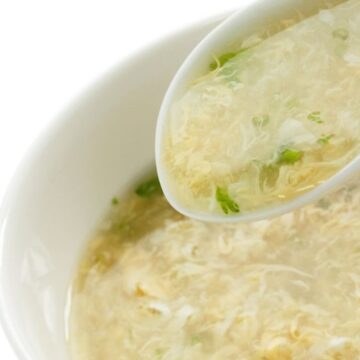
(56,122)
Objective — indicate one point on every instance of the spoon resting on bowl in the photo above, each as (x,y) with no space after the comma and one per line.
(263,115)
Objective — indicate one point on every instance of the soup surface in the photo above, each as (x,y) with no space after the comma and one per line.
(271,120)
(156,285)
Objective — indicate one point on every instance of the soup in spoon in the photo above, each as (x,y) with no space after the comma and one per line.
(270,120)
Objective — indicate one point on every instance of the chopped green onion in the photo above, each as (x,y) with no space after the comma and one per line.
(340,33)
(260,121)
(222,60)
(315,117)
(149,188)
(324,139)
(115,201)
(289,156)
(226,203)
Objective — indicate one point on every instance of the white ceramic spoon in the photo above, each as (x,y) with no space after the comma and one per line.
(252,17)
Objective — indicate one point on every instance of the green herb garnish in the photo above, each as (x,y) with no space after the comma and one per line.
(289,156)
(260,121)
(324,139)
(149,188)
(115,201)
(226,203)
(315,117)
(222,60)
(340,33)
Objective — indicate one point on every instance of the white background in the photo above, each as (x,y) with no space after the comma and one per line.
(51,50)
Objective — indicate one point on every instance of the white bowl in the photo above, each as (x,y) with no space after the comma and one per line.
(94,150)
(63,187)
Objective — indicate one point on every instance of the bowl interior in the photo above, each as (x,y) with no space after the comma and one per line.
(64,186)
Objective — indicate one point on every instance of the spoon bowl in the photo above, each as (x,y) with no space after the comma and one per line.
(260,15)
